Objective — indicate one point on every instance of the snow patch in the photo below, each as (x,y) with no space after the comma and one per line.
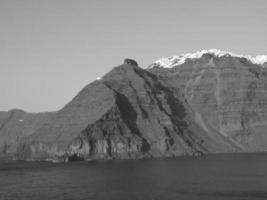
(178,60)
(21,120)
(98,78)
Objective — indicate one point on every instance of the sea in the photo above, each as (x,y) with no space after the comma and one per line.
(211,177)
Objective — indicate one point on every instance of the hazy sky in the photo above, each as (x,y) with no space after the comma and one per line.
(49,50)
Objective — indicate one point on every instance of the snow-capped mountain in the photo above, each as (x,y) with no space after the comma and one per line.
(173,61)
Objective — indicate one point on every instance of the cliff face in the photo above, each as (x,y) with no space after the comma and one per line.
(194,106)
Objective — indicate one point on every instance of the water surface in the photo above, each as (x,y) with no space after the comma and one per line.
(235,176)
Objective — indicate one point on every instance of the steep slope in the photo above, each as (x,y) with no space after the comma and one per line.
(16,125)
(228,93)
(128,113)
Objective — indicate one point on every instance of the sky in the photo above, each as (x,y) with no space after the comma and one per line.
(49,50)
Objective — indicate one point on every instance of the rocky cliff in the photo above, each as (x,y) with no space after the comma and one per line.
(207,102)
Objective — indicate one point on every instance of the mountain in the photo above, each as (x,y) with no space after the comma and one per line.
(228,93)
(205,102)
(128,113)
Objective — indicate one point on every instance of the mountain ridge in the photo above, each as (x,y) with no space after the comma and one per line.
(212,104)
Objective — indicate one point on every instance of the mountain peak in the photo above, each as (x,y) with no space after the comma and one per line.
(169,62)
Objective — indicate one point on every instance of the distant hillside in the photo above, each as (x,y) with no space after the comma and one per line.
(16,126)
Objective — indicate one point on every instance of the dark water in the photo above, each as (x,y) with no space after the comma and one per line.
(239,176)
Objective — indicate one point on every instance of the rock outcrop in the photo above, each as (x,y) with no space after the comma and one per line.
(128,61)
